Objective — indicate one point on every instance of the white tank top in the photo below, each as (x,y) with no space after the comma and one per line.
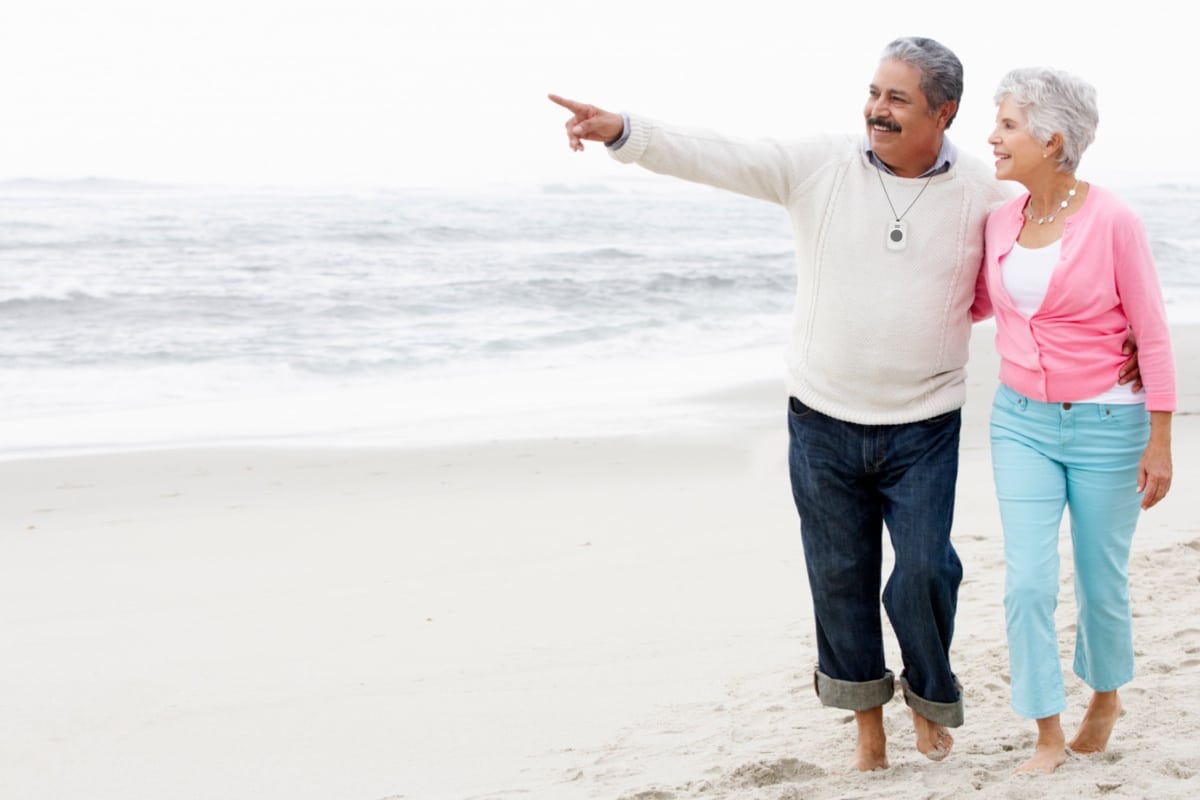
(1026,276)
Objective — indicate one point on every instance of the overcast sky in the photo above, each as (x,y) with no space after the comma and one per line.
(407,93)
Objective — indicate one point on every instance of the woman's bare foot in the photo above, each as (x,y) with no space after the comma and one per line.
(1050,752)
(871,751)
(1097,725)
(933,741)
(1046,758)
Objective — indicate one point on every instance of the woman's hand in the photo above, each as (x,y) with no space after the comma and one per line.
(1154,470)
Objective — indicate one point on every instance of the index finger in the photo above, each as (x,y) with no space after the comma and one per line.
(570,105)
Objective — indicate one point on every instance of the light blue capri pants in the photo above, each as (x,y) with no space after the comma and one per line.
(1083,456)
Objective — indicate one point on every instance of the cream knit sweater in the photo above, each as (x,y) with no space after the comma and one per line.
(878,336)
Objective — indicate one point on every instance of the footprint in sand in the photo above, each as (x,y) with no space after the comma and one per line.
(1173,769)
(649,794)
(770,773)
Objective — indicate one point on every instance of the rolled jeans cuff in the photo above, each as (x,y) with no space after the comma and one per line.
(948,714)
(854,695)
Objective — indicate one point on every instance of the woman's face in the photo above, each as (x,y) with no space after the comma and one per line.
(1017,153)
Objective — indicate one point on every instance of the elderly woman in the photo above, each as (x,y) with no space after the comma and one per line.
(1069,274)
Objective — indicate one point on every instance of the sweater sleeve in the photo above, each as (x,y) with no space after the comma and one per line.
(1141,299)
(765,169)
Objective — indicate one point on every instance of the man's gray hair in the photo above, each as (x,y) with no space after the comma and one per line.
(1054,102)
(941,71)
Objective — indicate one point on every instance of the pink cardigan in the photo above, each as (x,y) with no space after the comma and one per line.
(1103,285)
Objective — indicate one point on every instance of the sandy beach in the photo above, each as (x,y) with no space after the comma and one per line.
(575,617)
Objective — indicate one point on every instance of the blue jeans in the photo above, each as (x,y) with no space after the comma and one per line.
(1047,457)
(849,481)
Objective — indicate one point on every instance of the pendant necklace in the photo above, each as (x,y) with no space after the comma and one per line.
(897,231)
(1061,206)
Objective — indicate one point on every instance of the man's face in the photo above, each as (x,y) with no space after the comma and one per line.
(900,127)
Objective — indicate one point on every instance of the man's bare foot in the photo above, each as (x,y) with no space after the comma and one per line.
(1097,725)
(933,741)
(871,751)
(1050,752)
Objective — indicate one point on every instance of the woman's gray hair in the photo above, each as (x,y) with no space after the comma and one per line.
(941,71)
(1054,102)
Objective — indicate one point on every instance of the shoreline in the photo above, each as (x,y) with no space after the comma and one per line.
(664,394)
(569,618)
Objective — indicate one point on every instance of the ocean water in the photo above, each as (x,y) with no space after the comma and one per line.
(135,315)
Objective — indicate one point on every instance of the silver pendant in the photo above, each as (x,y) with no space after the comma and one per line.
(897,235)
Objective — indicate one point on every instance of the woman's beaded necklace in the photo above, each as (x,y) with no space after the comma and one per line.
(1061,206)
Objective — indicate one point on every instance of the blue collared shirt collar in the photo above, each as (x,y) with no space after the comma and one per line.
(945,158)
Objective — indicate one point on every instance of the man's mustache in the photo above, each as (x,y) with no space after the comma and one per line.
(883,123)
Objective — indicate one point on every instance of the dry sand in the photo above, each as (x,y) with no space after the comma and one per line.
(568,618)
